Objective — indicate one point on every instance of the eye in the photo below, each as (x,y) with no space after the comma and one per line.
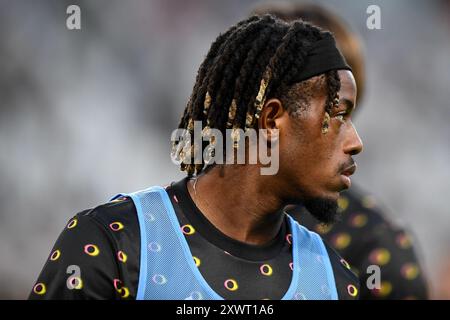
(341,116)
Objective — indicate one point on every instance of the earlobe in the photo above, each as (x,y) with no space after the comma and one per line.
(270,120)
(273,110)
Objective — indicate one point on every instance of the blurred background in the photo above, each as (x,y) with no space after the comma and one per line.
(86,114)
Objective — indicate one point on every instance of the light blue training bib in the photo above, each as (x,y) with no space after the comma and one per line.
(168,271)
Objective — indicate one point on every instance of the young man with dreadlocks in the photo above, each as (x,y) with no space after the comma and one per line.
(221,232)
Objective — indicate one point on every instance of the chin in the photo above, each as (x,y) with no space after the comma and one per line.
(330,194)
(338,188)
(323,208)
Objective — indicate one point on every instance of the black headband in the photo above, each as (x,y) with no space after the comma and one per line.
(322,57)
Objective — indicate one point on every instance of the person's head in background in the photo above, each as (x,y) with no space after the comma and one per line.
(347,41)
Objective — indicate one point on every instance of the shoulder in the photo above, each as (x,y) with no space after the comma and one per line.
(112,220)
(361,209)
(347,282)
(98,247)
(113,227)
(120,209)
(118,219)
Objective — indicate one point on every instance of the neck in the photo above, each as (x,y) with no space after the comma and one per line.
(238,202)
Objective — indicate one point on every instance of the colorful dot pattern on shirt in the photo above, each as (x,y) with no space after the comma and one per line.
(387,247)
(93,250)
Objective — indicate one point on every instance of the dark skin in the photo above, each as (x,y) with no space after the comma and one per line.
(312,164)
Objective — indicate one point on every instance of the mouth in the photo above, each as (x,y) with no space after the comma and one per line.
(345,175)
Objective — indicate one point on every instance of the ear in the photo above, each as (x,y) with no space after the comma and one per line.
(272,119)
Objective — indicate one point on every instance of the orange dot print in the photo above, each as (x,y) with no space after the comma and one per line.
(380,256)
(410,271)
(358,220)
(341,240)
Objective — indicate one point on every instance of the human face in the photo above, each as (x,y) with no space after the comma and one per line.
(314,164)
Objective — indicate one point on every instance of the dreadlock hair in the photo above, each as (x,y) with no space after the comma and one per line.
(255,59)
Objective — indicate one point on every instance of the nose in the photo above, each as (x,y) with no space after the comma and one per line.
(354,144)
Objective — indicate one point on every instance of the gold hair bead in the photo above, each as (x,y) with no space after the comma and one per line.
(259,100)
(336,99)
(182,157)
(190,126)
(326,123)
(189,151)
(262,90)
(235,136)
(231,113)
(206,132)
(248,120)
(206,103)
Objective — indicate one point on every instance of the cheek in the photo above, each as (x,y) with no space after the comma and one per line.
(322,156)
(317,151)
(305,160)
(332,156)
(308,155)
